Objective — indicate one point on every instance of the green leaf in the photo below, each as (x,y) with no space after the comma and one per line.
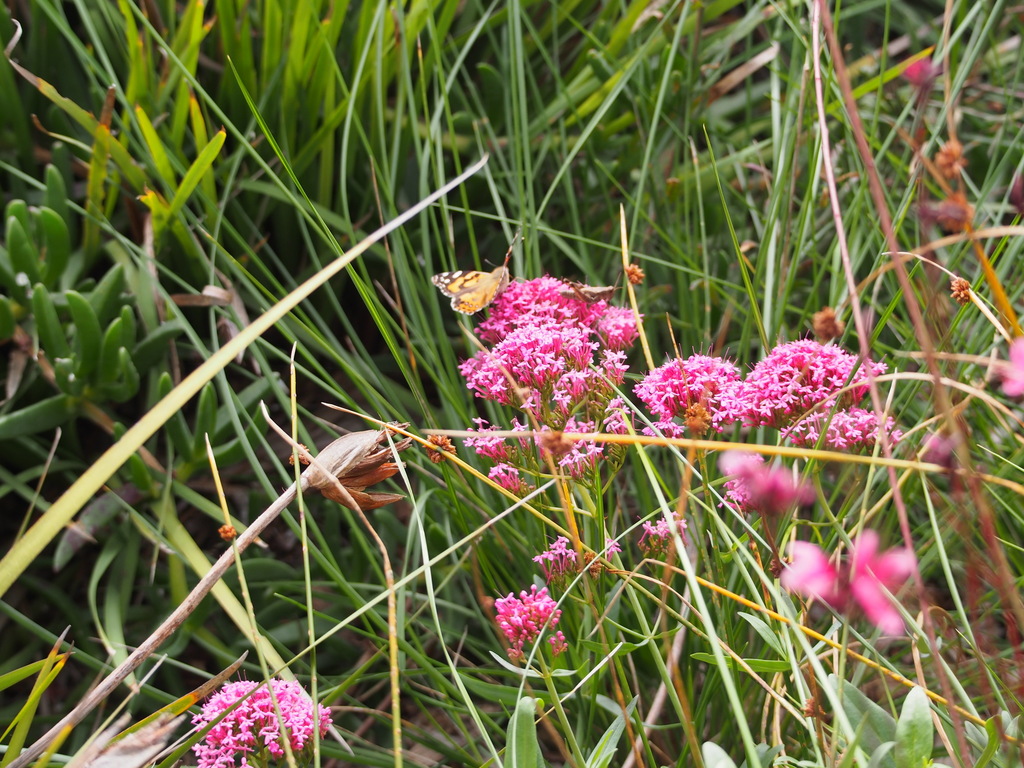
(764,632)
(88,335)
(6,319)
(523,749)
(56,245)
(758,665)
(196,172)
(915,732)
(877,726)
(108,363)
(48,326)
(206,421)
(22,251)
(715,756)
(153,348)
(55,197)
(38,417)
(106,296)
(606,746)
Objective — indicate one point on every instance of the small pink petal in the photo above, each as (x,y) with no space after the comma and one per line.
(1013,372)
(876,605)
(810,573)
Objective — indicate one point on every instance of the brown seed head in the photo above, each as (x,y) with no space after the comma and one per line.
(635,274)
(961,290)
(302,459)
(697,419)
(227,532)
(352,463)
(826,325)
(950,159)
(554,443)
(954,214)
(439,445)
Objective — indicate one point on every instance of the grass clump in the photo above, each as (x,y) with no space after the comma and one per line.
(725,471)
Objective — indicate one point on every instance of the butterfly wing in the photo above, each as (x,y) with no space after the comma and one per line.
(471,291)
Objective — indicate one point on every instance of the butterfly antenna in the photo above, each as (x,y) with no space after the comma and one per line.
(516,236)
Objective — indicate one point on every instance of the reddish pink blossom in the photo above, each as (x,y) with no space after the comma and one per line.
(798,377)
(616,420)
(523,618)
(922,73)
(558,561)
(611,547)
(1013,371)
(559,358)
(545,300)
(617,328)
(844,430)
(755,487)
(508,478)
(658,536)
(253,728)
(864,580)
(670,390)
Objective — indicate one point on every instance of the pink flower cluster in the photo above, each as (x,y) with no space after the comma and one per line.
(548,301)
(657,537)
(559,358)
(700,390)
(863,581)
(253,727)
(558,562)
(795,388)
(523,618)
(757,488)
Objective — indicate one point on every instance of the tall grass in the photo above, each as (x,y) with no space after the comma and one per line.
(203,161)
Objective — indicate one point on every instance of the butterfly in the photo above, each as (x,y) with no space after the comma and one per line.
(588,293)
(470,290)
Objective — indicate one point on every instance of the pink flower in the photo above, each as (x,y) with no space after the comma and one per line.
(657,537)
(864,580)
(1013,371)
(755,487)
(616,419)
(508,478)
(617,328)
(844,430)
(922,73)
(798,377)
(546,300)
(493,448)
(253,727)
(611,547)
(558,562)
(523,618)
(680,388)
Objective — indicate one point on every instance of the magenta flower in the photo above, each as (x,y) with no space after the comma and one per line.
(611,547)
(558,562)
(922,73)
(863,581)
(798,377)
(657,537)
(844,430)
(755,487)
(253,727)
(508,478)
(559,358)
(545,300)
(1013,371)
(523,618)
(700,390)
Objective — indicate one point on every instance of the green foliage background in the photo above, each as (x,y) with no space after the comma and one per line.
(151,151)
